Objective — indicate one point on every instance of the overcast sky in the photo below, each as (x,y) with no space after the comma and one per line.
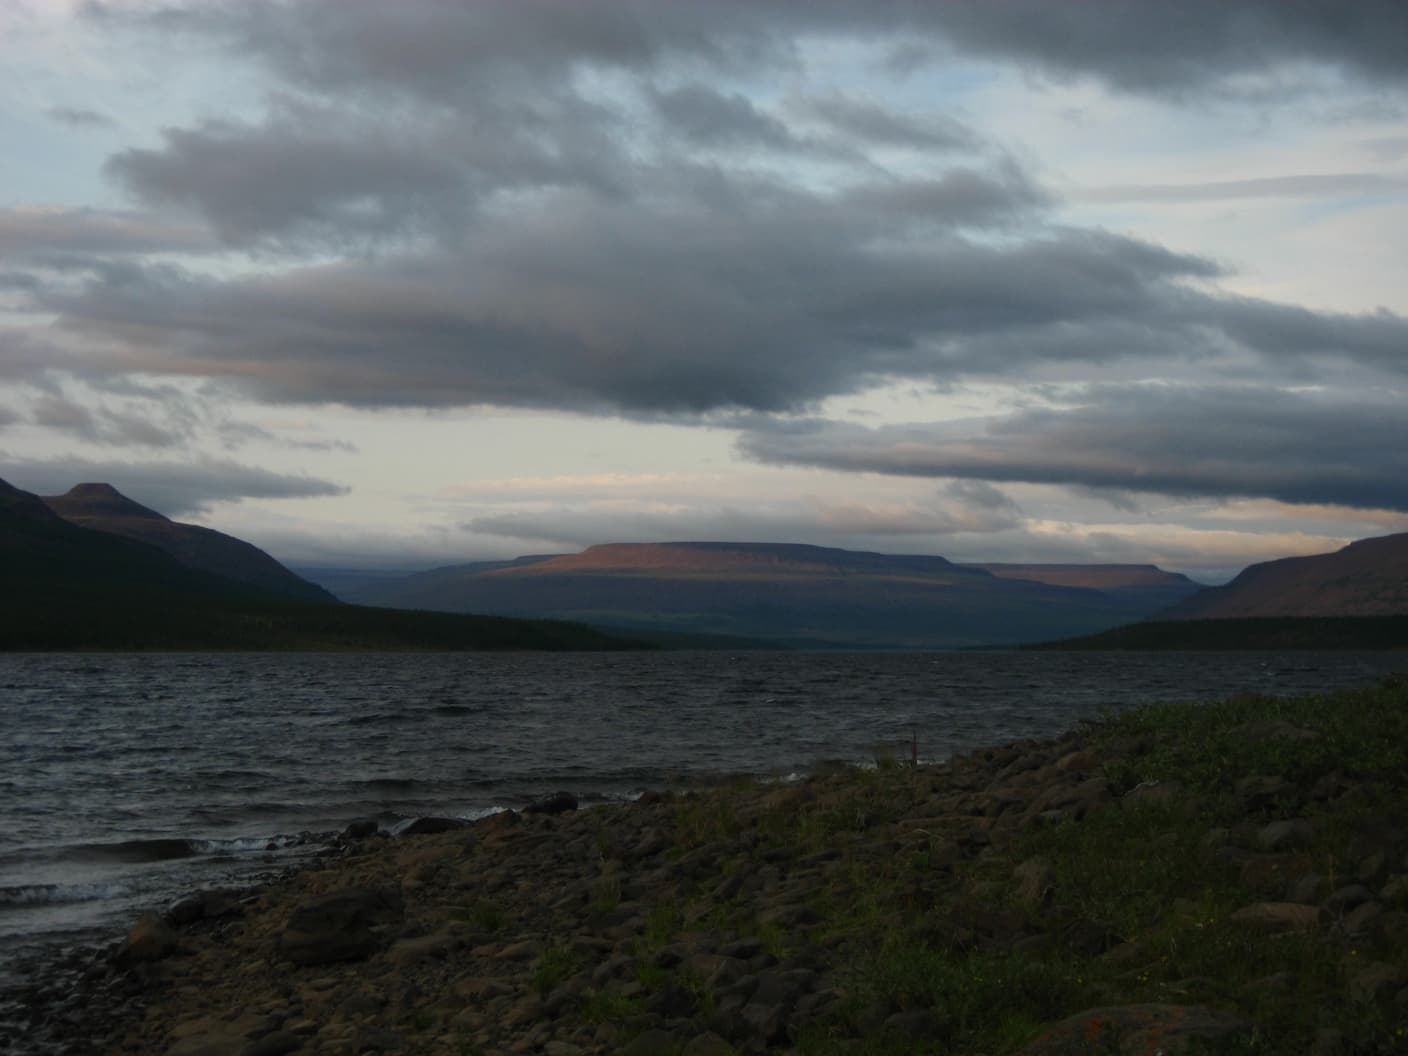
(399,284)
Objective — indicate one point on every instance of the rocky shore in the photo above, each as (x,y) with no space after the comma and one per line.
(1219,878)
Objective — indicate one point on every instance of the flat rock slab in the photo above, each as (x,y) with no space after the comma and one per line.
(341,926)
(1136,1030)
(1278,916)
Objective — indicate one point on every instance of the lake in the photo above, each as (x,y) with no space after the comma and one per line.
(126,780)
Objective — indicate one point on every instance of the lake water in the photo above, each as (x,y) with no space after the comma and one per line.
(126,780)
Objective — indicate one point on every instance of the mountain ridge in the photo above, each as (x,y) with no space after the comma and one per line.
(1368,577)
(68,587)
(103,508)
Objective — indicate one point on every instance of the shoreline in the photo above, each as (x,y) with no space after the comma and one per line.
(1230,872)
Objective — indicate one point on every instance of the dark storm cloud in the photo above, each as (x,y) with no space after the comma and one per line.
(294,171)
(1248,442)
(437,50)
(172,488)
(750,301)
(861,119)
(547,243)
(445,51)
(716,118)
(1193,46)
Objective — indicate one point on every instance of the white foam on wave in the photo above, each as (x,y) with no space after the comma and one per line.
(59,894)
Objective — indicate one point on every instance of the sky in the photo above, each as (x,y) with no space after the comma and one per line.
(401,285)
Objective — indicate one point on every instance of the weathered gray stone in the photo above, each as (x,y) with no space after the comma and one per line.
(1285,835)
(341,926)
(1154,792)
(1261,790)
(1361,918)
(1035,879)
(1395,890)
(408,951)
(915,1024)
(767,1022)
(557,803)
(1344,899)
(203,905)
(1278,916)
(1137,1029)
(1310,889)
(708,1044)
(277,1043)
(654,1042)
(431,826)
(149,940)
(360,828)
(1376,981)
(220,1044)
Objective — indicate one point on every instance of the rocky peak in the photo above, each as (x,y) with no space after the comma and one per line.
(98,500)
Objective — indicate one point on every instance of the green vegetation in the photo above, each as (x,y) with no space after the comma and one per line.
(1130,902)
(1341,632)
(555,965)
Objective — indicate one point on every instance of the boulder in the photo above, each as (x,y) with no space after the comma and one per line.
(1344,899)
(342,926)
(1285,835)
(1278,917)
(1138,1030)
(1262,790)
(1035,879)
(708,1044)
(150,939)
(360,829)
(208,1045)
(1376,981)
(430,826)
(557,803)
(203,905)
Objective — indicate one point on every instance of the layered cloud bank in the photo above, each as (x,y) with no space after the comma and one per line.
(800,228)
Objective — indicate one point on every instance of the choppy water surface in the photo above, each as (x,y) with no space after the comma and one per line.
(126,779)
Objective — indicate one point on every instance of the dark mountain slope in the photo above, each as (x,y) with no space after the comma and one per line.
(103,508)
(1365,578)
(68,587)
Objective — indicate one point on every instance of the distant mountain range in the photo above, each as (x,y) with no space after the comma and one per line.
(93,569)
(789,595)
(120,576)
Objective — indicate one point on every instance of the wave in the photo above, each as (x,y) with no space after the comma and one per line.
(451,710)
(23,895)
(158,849)
(393,784)
(383,718)
(167,849)
(252,844)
